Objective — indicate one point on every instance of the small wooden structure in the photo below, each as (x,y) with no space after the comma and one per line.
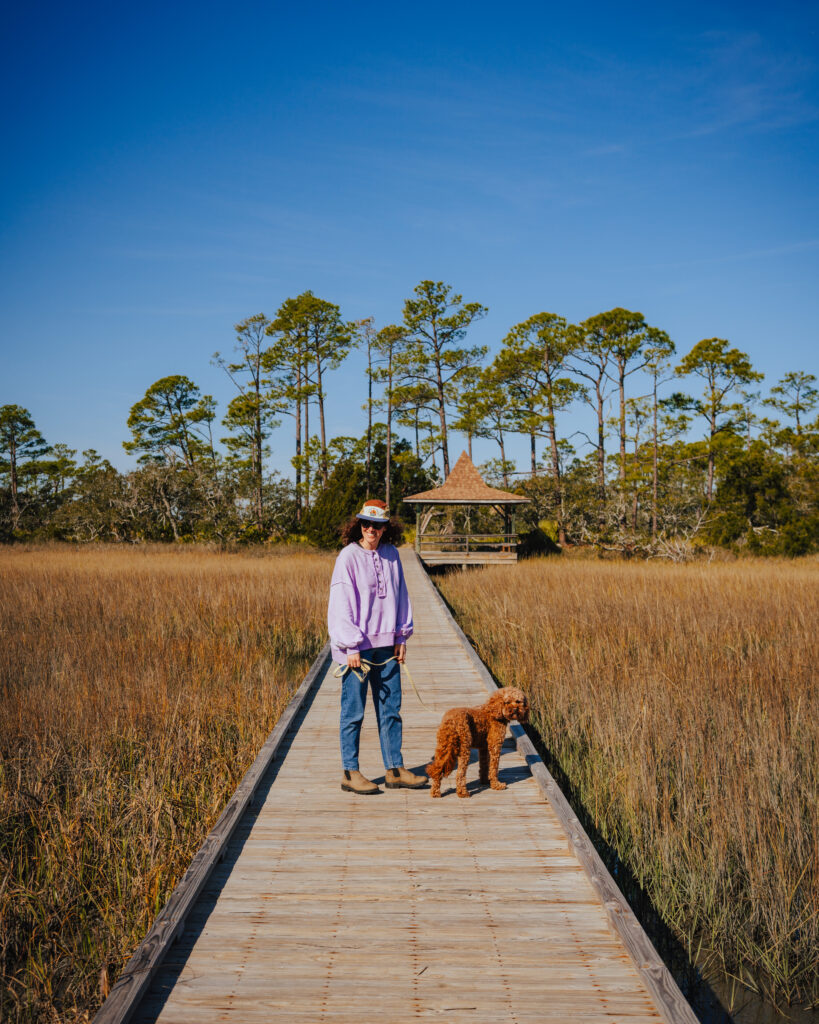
(465,487)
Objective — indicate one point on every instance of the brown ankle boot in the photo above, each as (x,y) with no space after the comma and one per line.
(354,782)
(400,778)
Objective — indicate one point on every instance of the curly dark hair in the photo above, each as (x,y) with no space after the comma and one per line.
(393,534)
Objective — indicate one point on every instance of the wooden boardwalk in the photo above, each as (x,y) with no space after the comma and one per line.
(392,908)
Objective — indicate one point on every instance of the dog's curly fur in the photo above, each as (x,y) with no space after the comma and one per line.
(483,728)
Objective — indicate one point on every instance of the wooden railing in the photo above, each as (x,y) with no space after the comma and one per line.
(466,542)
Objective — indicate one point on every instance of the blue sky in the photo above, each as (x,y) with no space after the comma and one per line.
(171,171)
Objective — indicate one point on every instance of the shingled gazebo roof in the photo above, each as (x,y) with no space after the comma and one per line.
(465,486)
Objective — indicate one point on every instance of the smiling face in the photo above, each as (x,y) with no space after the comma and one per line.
(371,534)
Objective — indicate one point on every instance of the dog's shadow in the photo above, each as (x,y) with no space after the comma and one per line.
(510,774)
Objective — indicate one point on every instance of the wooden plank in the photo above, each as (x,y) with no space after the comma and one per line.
(668,998)
(136,976)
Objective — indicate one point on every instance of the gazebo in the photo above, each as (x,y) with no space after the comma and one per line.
(465,487)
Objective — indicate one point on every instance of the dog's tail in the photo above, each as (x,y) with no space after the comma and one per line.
(446,757)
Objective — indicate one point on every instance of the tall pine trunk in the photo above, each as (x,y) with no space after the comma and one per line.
(298,443)
(433,449)
(601,442)
(709,490)
(306,450)
(320,394)
(558,482)
(622,390)
(654,446)
(442,414)
(257,454)
(15,506)
(622,474)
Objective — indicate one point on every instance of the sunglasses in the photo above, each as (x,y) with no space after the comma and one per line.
(373,526)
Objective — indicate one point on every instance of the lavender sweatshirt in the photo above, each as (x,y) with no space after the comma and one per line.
(369,604)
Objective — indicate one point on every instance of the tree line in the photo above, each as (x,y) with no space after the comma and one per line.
(659,470)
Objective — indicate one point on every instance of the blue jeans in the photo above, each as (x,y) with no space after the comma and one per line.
(385,683)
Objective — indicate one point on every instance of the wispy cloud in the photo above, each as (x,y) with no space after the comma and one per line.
(736,81)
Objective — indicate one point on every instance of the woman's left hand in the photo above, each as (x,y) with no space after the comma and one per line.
(400,653)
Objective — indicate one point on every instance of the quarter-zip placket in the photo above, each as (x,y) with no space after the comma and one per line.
(378,567)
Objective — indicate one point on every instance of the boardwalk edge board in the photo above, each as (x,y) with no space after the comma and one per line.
(136,976)
(668,999)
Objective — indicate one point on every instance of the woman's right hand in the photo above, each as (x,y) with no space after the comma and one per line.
(354,660)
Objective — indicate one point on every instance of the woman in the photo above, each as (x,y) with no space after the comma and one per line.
(370,614)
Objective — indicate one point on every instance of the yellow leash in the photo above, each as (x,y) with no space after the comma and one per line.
(339,671)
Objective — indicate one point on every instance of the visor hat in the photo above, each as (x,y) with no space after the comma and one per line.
(374,511)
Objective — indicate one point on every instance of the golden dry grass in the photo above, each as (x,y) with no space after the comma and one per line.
(683,704)
(136,687)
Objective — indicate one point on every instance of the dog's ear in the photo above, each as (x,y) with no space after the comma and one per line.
(496,705)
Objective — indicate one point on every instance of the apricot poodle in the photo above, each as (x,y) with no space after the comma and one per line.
(483,728)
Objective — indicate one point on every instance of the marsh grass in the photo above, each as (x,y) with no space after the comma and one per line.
(682,703)
(136,687)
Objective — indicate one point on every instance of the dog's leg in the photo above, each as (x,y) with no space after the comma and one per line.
(445,756)
(464,746)
(434,772)
(495,742)
(460,778)
(483,763)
